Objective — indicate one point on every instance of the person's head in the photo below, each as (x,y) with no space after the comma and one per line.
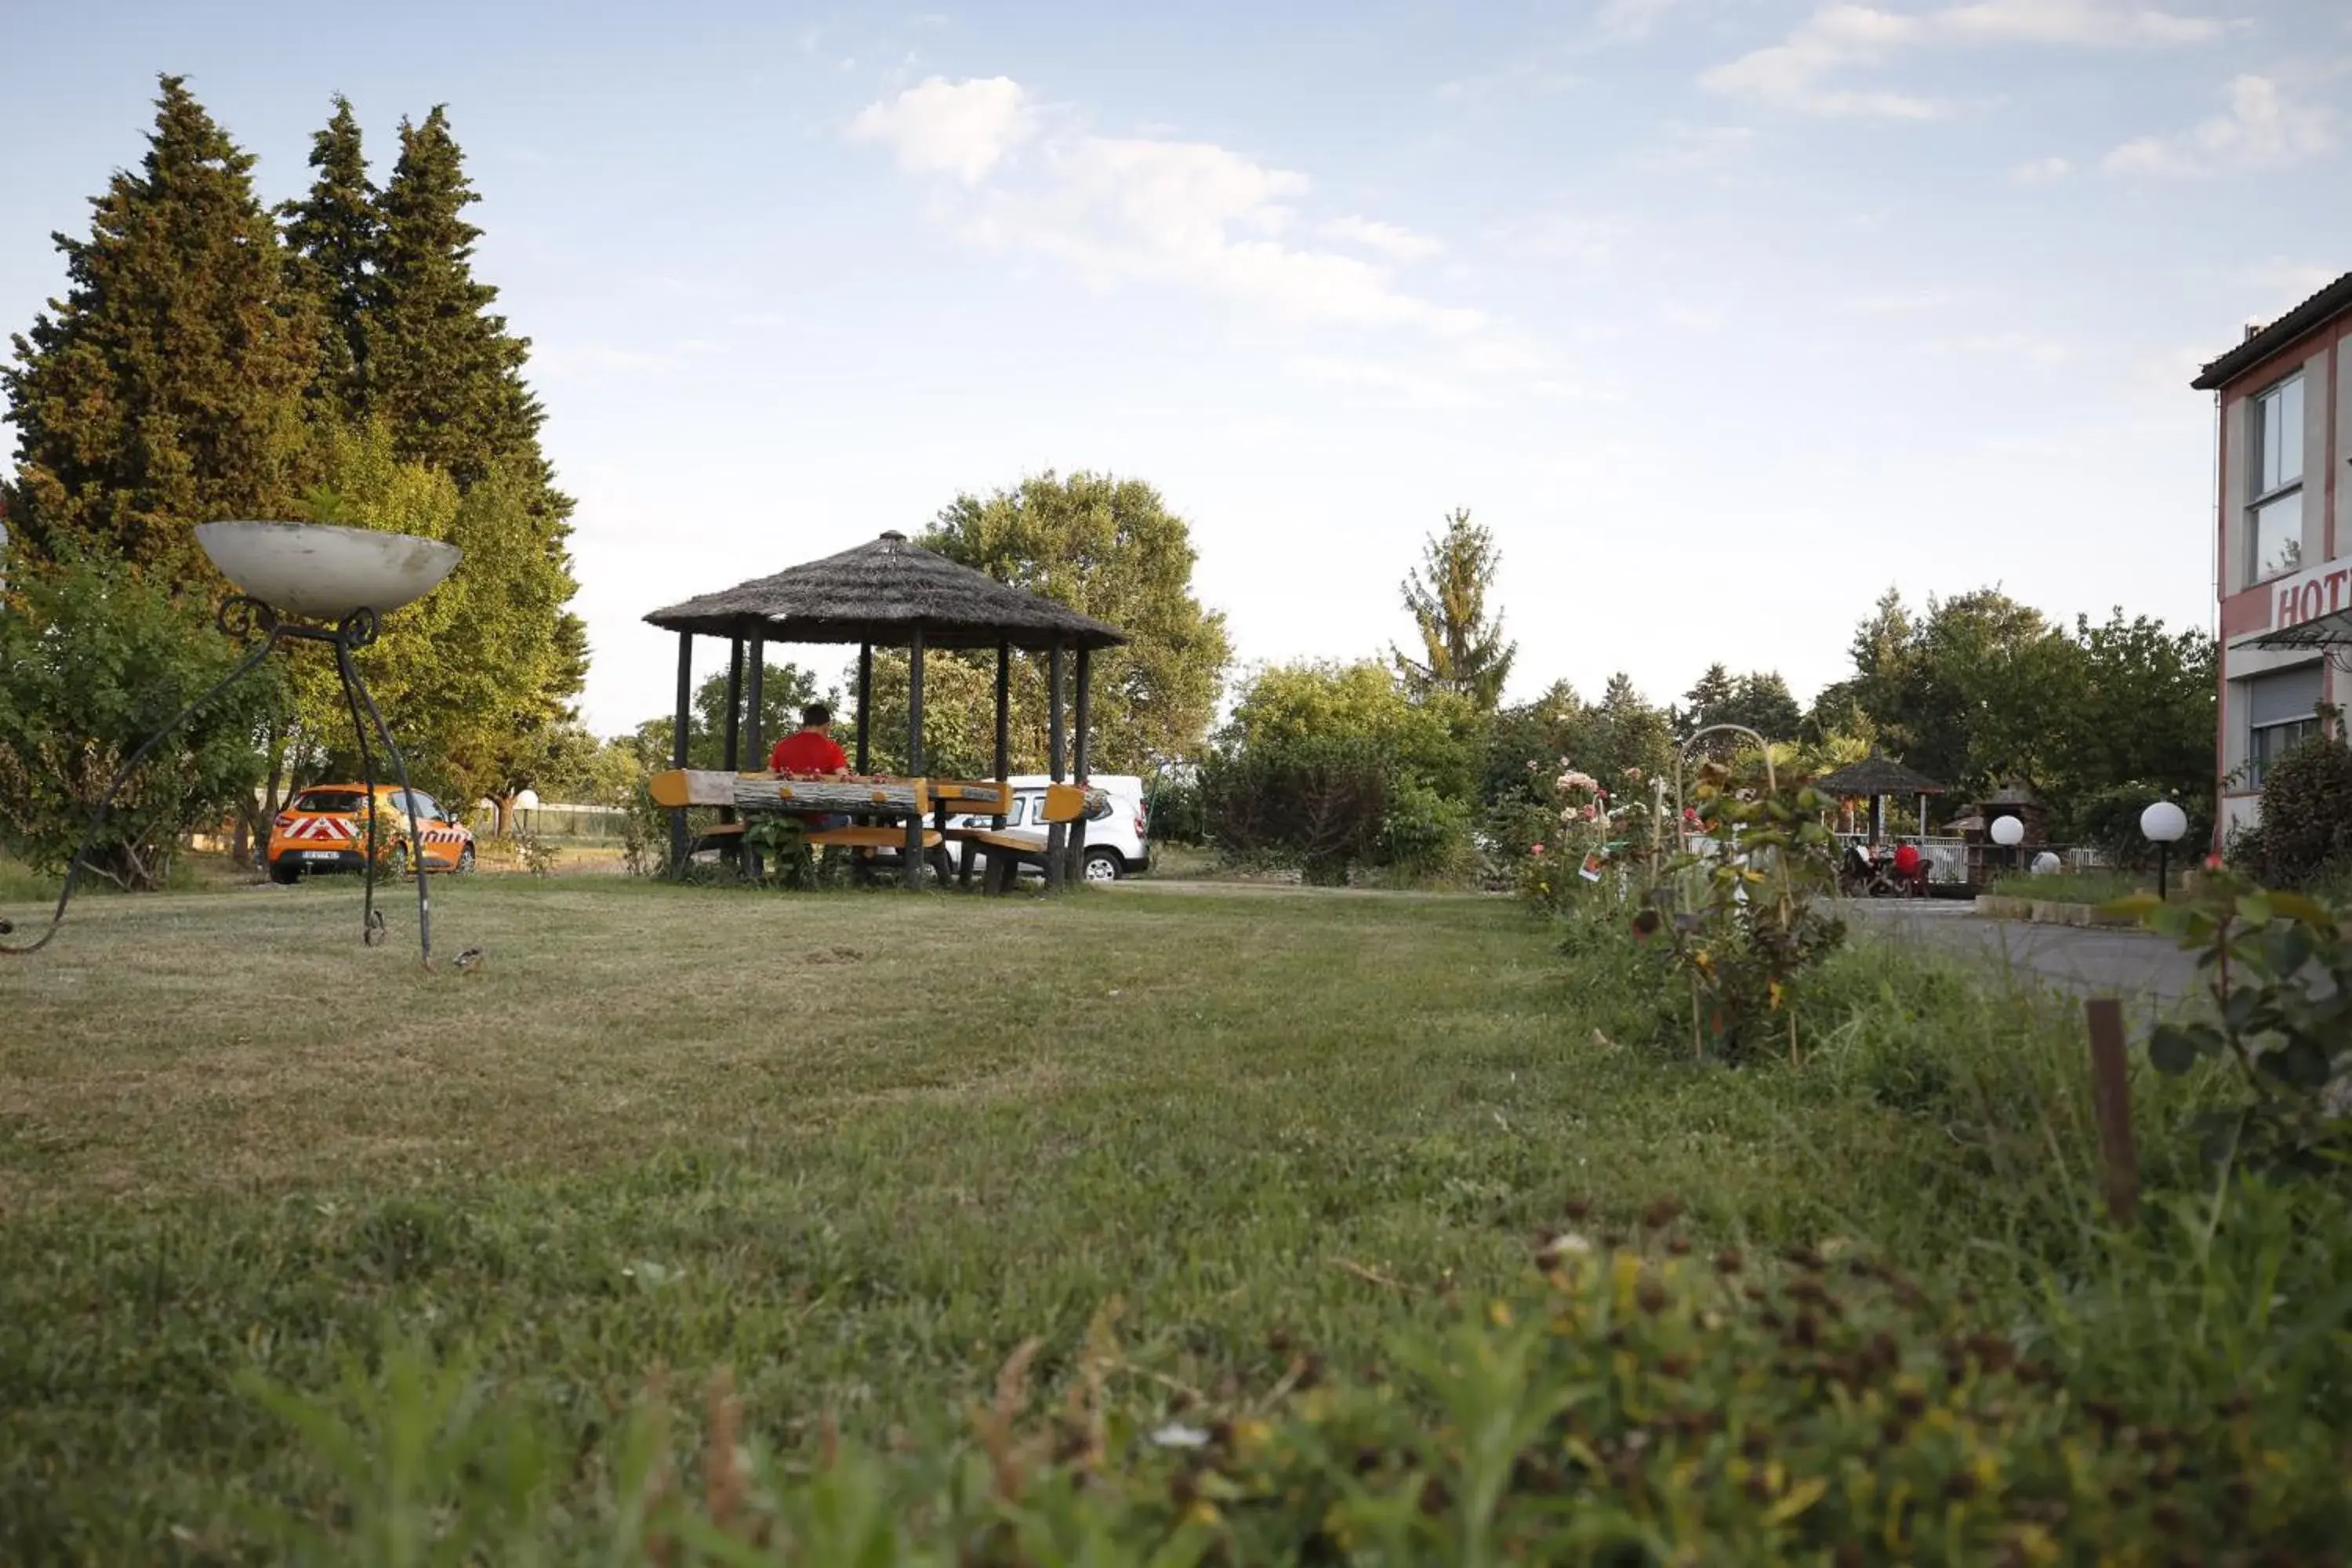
(817,716)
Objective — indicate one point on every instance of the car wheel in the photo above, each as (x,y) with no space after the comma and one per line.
(466,858)
(1105,866)
(285,873)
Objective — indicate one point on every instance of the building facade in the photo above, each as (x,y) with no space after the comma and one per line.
(2284,540)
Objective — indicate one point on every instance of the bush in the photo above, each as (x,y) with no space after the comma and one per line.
(1316,802)
(1425,837)
(2305,831)
(93,660)
(2107,820)
(1173,808)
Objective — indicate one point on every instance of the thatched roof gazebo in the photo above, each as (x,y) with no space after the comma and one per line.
(898,594)
(1875,778)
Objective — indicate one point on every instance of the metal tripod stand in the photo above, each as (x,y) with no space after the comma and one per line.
(243,617)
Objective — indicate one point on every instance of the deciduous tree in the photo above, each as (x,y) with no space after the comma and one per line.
(1109,548)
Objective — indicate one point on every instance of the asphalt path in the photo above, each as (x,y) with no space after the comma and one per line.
(2136,967)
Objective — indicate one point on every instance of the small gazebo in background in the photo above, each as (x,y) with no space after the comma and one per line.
(1875,778)
(897,595)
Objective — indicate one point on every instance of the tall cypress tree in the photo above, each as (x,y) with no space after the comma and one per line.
(444,377)
(442,370)
(335,232)
(166,388)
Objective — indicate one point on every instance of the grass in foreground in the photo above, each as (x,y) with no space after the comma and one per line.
(859,1149)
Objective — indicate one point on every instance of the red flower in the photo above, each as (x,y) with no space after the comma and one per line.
(1535,849)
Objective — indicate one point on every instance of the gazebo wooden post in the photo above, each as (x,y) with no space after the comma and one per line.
(1877,819)
(754,752)
(677,748)
(732,751)
(911,873)
(1057,838)
(864,697)
(1078,762)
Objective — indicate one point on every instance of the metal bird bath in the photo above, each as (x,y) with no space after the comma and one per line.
(312,582)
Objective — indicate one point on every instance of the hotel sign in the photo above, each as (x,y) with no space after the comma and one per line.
(2310,594)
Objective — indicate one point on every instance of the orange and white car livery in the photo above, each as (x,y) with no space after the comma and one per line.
(323,827)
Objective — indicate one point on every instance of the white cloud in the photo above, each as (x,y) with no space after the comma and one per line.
(2262,129)
(941,127)
(1629,19)
(1392,240)
(1795,74)
(1703,147)
(2041,172)
(1690,318)
(1557,236)
(1119,209)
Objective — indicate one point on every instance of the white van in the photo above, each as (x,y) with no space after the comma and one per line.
(1118,841)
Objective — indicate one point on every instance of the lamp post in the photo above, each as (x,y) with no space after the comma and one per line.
(2162,825)
(2009,833)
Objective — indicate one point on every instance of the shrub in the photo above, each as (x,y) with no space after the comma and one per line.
(1173,808)
(2281,969)
(2107,820)
(1318,803)
(93,660)
(1424,835)
(2306,829)
(1743,915)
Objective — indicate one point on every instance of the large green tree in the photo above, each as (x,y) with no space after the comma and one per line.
(336,233)
(476,675)
(442,370)
(1760,700)
(437,376)
(1462,650)
(166,388)
(1109,548)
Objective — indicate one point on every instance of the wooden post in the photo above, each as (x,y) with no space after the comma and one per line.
(731,752)
(2111,1102)
(1078,762)
(677,748)
(1057,838)
(754,738)
(865,697)
(913,854)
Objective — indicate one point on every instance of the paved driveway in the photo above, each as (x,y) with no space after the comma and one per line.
(2082,961)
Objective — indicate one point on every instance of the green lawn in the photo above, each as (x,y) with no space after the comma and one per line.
(857,1147)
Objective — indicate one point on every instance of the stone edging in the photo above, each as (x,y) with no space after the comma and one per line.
(2049,911)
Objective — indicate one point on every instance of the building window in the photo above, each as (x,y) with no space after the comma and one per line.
(2274,531)
(2281,714)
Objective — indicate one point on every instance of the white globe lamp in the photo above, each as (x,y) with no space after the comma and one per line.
(2046,864)
(2162,823)
(2008,832)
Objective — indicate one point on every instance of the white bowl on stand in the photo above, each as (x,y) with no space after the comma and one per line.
(323,572)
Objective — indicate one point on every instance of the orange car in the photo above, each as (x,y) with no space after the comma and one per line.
(321,829)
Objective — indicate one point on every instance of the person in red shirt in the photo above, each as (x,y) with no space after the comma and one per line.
(810,751)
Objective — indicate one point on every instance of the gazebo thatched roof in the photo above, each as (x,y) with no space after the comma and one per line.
(1876,775)
(880,593)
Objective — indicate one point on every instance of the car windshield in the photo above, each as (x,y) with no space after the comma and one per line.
(330,800)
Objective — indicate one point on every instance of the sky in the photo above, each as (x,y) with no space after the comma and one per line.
(1723,315)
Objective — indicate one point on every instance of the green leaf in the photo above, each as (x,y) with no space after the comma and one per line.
(2173,1050)
(2303,910)
(2286,950)
(2301,1062)
(2254,909)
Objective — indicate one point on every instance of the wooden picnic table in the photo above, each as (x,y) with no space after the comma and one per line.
(904,803)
